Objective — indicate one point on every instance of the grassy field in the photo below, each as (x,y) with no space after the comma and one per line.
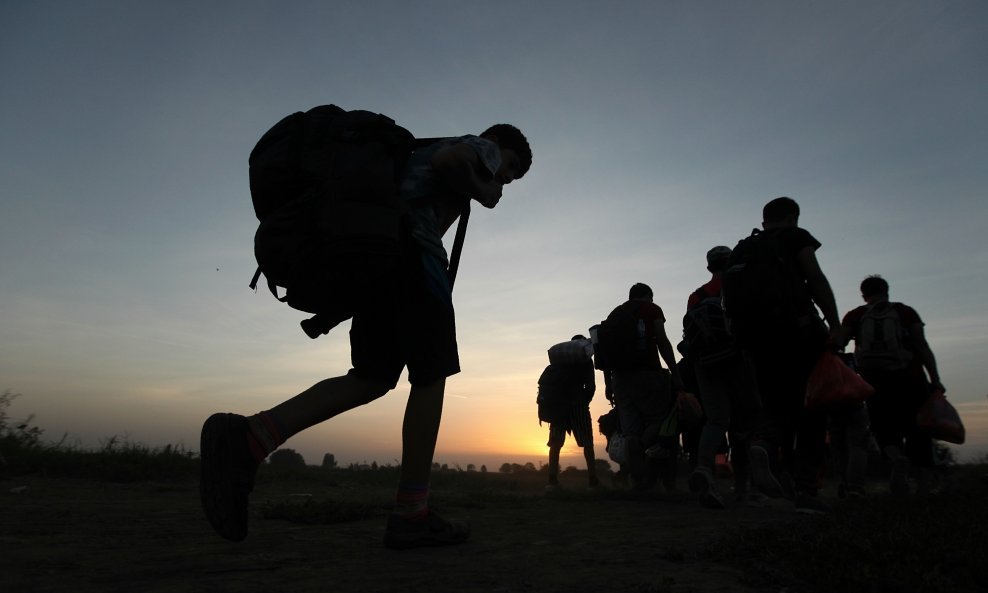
(876,544)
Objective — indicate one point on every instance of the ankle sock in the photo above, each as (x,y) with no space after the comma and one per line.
(265,434)
(412,501)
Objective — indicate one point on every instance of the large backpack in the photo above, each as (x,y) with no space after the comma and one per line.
(764,295)
(880,343)
(706,333)
(324,185)
(560,389)
(622,341)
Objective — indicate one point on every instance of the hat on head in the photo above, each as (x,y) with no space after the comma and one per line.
(718,254)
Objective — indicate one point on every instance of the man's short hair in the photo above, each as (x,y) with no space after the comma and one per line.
(718,257)
(511,138)
(874,285)
(578,337)
(640,291)
(780,209)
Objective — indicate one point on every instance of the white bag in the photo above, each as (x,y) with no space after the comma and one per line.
(617,449)
(571,352)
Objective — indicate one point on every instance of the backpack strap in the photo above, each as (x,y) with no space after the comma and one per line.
(271,285)
(461,232)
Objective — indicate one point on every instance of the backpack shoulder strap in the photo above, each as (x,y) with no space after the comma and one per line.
(461,232)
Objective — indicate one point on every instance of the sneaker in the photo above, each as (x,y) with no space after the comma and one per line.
(811,504)
(846,491)
(697,481)
(658,452)
(701,482)
(761,472)
(227,472)
(899,481)
(402,533)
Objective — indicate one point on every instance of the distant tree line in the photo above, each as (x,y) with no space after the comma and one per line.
(289,458)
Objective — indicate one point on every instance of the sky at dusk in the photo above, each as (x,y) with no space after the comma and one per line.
(659,129)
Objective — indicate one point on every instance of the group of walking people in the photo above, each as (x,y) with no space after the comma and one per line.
(752,336)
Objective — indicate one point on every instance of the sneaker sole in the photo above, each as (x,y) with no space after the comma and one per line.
(761,473)
(223,495)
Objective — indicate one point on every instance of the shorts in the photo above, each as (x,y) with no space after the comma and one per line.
(577,423)
(413,325)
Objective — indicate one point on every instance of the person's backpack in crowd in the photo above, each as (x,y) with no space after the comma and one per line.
(621,341)
(324,186)
(880,343)
(706,333)
(762,291)
(555,395)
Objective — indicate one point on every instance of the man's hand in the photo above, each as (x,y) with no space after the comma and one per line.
(459,167)
(489,193)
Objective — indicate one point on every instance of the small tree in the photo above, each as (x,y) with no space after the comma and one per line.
(17,433)
(483,469)
(329,461)
(505,468)
(471,467)
(288,458)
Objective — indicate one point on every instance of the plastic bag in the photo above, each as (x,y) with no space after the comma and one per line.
(940,419)
(832,383)
(617,449)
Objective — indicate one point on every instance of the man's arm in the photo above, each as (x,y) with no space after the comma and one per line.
(922,348)
(846,333)
(459,167)
(665,351)
(820,290)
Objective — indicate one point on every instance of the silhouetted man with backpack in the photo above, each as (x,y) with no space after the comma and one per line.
(726,384)
(891,353)
(632,342)
(566,388)
(772,289)
(330,164)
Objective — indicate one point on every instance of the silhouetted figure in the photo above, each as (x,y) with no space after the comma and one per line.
(411,325)
(641,385)
(690,435)
(575,381)
(891,353)
(772,289)
(725,381)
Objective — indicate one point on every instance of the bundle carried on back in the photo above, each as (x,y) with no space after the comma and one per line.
(568,381)
(324,185)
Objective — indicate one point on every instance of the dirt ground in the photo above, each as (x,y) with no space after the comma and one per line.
(70,535)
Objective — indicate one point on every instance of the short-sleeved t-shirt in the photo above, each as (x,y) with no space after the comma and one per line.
(794,240)
(907,315)
(710,289)
(425,195)
(649,313)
